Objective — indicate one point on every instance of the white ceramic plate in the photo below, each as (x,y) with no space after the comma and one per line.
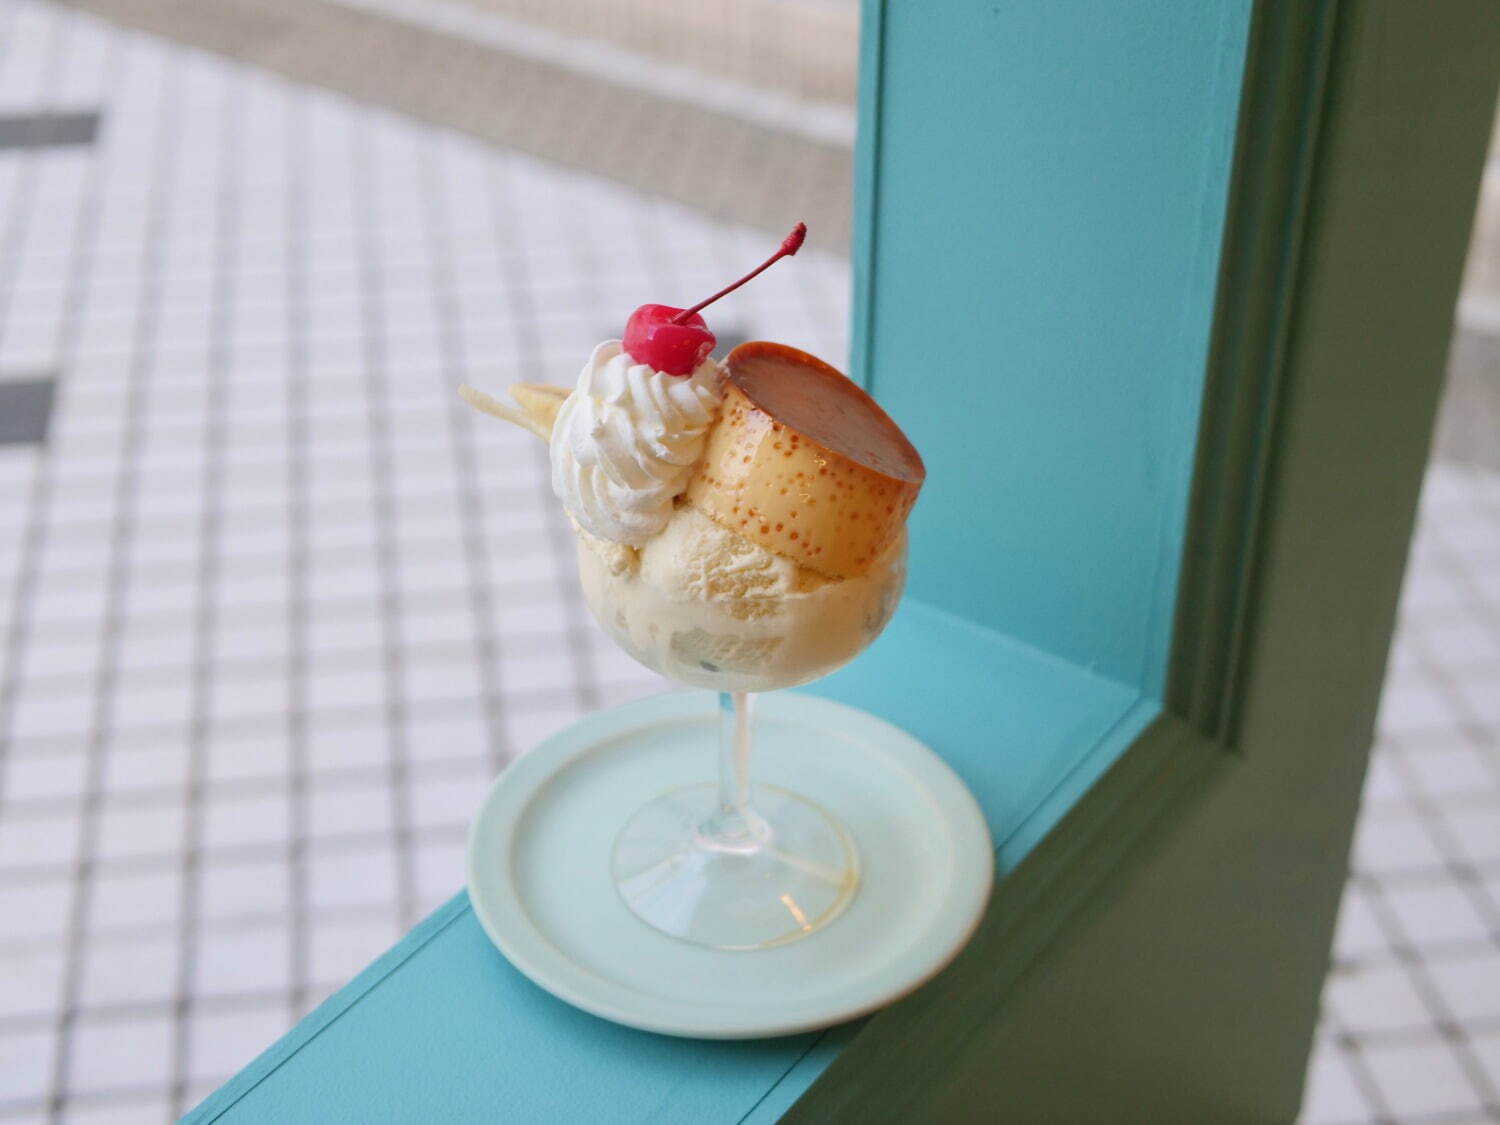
(538,868)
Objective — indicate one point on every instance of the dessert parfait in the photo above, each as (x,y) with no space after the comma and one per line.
(741,527)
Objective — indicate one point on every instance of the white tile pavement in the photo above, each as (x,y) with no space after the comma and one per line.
(273,607)
(1411,1008)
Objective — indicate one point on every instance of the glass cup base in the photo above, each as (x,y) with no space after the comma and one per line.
(735,881)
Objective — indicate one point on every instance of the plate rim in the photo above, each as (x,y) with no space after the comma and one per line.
(506,922)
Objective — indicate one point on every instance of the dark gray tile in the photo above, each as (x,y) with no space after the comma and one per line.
(39,130)
(25,410)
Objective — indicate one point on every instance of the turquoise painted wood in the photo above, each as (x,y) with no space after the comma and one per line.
(1184,986)
(434,1032)
(1048,185)
(443,1029)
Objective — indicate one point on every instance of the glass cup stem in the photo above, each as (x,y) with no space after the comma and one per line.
(731,865)
(735,825)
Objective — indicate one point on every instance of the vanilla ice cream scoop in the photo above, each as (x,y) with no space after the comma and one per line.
(707,607)
(626,440)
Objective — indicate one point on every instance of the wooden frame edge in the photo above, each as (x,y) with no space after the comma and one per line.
(1130,810)
(1281,111)
(866,187)
(1077,868)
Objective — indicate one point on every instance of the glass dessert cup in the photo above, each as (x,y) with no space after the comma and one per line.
(735,866)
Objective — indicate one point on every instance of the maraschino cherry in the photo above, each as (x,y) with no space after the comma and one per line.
(676,341)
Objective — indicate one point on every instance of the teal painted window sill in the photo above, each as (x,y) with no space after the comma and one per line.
(441,1028)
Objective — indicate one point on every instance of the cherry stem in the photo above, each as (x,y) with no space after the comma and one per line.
(789,246)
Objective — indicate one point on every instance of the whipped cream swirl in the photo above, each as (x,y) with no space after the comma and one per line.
(626,440)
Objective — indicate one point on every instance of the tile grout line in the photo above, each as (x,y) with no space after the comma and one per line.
(298,662)
(86,225)
(540,699)
(1360,1071)
(126,492)
(1452,1033)
(245,1000)
(559,536)
(1475,729)
(28,173)
(1425,663)
(201,684)
(1455,1033)
(164,862)
(461,423)
(1461,871)
(375,356)
(1457,869)
(21,204)
(270,720)
(166,672)
(165,793)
